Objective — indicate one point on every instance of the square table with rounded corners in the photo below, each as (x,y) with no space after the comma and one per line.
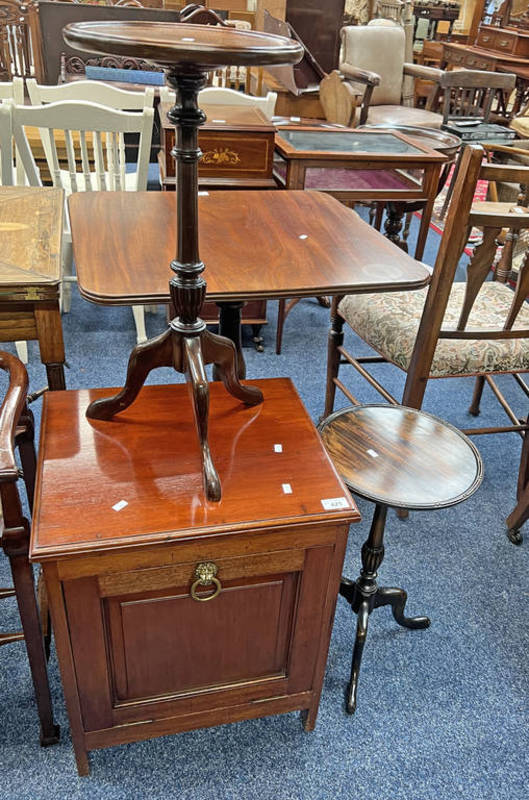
(254,244)
(385,165)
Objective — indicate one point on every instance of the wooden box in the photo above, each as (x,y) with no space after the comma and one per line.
(121,526)
(237,143)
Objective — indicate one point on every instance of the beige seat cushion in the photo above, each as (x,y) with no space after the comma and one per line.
(521,126)
(402,115)
(389,323)
(376,49)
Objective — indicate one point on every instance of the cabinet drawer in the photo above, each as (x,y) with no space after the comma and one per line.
(229,154)
(496,40)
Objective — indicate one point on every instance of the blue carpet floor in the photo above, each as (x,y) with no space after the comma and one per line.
(443,714)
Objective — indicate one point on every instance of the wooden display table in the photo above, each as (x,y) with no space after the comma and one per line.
(124,533)
(30,264)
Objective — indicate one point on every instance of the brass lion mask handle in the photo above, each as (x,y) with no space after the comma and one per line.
(205,573)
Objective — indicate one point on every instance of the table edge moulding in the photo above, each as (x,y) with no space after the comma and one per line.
(187,52)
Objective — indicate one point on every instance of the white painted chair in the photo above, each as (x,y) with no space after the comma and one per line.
(213,95)
(93,136)
(11,92)
(91,91)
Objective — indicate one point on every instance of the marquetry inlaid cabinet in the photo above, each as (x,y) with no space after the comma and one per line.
(171,612)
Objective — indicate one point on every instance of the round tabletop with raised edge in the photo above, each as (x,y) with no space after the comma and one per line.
(401,457)
(168,44)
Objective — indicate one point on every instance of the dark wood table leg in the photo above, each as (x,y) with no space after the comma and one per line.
(51,342)
(230,326)
(393,224)
(364,595)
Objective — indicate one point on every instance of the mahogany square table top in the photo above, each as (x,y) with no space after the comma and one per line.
(254,244)
(172,612)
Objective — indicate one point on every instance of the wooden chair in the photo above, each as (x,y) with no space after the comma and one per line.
(452,329)
(215,95)
(95,150)
(372,58)
(20,40)
(91,91)
(16,430)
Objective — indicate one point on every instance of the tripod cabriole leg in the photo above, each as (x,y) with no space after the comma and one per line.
(221,351)
(145,357)
(198,384)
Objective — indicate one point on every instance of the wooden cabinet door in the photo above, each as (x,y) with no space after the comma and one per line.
(144,648)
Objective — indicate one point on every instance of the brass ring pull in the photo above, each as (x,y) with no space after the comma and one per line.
(205,574)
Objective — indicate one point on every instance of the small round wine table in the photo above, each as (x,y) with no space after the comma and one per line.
(187,53)
(402,458)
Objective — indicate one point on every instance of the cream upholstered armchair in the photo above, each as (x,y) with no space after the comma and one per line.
(373,56)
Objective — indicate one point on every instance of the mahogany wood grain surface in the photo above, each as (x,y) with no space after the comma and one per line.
(148,458)
(205,46)
(402,457)
(254,244)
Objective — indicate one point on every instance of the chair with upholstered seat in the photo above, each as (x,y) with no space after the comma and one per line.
(452,329)
(16,430)
(373,58)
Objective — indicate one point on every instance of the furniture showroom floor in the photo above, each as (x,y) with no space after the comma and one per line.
(443,713)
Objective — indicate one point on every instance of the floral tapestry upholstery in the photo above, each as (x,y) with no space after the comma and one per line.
(388,322)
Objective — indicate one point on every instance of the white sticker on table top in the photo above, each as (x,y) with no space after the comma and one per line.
(120,506)
(303,236)
(219,121)
(287,488)
(278,448)
(203,194)
(333,503)
(372,453)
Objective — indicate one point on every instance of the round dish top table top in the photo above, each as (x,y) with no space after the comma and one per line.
(168,44)
(402,457)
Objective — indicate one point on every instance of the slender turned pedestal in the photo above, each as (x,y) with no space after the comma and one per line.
(402,458)
(187,52)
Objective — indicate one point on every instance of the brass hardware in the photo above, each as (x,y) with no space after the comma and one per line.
(220,156)
(32,293)
(205,573)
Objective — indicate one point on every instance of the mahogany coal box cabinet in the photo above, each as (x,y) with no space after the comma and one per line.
(172,612)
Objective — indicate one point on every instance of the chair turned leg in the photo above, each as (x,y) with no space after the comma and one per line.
(29,616)
(476,397)
(334,341)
